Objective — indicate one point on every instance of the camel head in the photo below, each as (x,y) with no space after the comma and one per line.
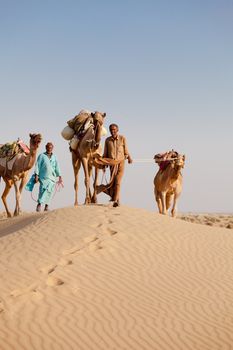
(179,161)
(35,140)
(98,119)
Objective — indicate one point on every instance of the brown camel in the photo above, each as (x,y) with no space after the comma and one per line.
(168,182)
(88,146)
(12,176)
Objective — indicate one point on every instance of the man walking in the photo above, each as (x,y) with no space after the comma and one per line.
(116,148)
(46,172)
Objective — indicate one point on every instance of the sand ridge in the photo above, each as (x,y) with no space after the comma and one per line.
(96,277)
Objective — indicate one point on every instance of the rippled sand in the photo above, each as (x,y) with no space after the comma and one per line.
(96,277)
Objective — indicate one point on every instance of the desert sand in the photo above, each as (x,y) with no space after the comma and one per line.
(97,277)
(219,220)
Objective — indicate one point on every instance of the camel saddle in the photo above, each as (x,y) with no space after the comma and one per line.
(10,150)
(163,159)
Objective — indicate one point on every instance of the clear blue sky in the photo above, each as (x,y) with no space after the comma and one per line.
(162,70)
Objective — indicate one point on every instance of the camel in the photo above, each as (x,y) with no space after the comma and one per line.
(88,147)
(22,163)
(168,182)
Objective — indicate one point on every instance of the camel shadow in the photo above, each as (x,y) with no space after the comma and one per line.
(11,225)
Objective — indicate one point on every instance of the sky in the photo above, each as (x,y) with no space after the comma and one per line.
(161,69)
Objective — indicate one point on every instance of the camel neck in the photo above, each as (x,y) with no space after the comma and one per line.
(31,158)
(175,173)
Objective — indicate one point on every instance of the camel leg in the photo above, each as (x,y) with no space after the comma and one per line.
(174,207)
(158,200)
(168,200)
(89,176)
(76,166)
(18,195)
(86,180)
(163,198)
(17,198)
(95,184)
(6,191)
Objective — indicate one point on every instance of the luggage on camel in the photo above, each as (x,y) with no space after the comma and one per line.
(10,149)
(163,159)
(77,125)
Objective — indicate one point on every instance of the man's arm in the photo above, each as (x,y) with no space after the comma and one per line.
(126,152)
(57,168)
(58,172)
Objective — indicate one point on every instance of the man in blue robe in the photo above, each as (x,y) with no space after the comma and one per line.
(46,172)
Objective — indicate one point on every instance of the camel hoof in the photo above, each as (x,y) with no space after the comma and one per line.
(87,201)
(94,200)
(9,215)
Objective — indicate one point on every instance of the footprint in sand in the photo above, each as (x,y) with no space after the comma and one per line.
(111,232)
(18,292)
(74,249)
(95,225)
(48,269)
(90,239)
(65,262)
(106,230)
(53,281)
(37,295)
(93,247)
(80,246)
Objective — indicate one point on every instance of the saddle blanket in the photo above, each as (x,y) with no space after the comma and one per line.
(8,164)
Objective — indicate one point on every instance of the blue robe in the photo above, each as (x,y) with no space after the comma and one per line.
(48,170)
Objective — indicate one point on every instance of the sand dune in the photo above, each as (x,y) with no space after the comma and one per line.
(219,220)
(96,277)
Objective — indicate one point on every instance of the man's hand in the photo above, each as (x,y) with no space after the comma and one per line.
(130,160)
(60,180)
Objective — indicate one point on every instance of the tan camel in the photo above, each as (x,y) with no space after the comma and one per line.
(88,146)
(168,182)
(19,171)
